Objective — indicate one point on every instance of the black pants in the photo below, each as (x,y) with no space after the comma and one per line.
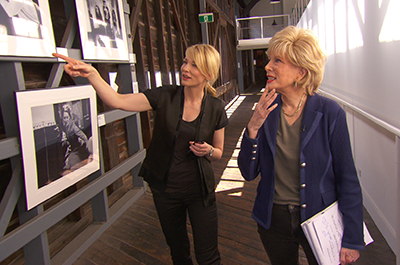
(172,212)
(281,241)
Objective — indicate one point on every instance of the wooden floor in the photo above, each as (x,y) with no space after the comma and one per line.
(136,237)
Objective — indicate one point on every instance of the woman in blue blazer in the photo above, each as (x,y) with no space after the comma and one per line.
(298,142)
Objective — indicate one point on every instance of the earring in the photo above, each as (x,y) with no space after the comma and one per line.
(295,83)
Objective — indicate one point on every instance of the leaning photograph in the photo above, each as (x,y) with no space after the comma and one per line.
(62,136)
(59,139)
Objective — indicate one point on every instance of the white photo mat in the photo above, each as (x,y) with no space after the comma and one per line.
(26,28)
(102,29)
(37,112)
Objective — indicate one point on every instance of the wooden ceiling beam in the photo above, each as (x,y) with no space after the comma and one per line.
(170,45)
(230,47)
(178,22)
(149,43)
(134,18)
(161,42)
(241,3)
(250,6)
(216,33)
(220,12)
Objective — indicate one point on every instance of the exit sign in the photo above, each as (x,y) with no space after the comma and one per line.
(206,17)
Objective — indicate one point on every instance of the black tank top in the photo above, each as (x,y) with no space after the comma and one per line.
(184,176)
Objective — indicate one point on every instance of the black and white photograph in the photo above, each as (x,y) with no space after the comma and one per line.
(102,29)
(26,28)
(63,139)
(59,139)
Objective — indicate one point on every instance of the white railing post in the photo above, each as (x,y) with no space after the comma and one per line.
(397,207)
(249,38)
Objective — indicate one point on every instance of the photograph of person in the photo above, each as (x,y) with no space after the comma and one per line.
(62,137)
(102,29)
(26,28)
(73,138)
(105,23)
(20,18)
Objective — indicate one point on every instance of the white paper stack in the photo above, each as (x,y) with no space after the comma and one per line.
(324,233)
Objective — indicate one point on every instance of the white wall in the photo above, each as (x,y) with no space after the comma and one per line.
(362,41)
(264,8)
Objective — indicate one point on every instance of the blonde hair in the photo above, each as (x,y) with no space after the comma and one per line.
(301,47)
(208,61)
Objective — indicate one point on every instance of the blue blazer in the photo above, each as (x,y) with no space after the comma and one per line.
(327,171)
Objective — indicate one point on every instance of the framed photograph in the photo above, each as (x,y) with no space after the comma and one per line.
(102,29)
(59,139)
(26,29)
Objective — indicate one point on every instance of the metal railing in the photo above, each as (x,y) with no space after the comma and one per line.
(260,27)
(298,10)
(390,128)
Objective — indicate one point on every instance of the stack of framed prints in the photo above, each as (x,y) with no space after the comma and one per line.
(102,29)
(26,29)
(59,139)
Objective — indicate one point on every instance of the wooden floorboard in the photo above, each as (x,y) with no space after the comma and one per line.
(136,237)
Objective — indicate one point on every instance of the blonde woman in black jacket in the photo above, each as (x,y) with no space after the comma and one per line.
(188,135)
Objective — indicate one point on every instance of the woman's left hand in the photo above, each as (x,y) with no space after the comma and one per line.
(200,148)
(348,256)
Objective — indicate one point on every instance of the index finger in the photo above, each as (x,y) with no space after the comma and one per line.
(65,58)
(267,95)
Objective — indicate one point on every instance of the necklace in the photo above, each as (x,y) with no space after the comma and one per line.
(298,107)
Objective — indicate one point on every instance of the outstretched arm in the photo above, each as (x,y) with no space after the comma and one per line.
(129,102)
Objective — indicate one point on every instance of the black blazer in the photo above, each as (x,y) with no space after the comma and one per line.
(169,110)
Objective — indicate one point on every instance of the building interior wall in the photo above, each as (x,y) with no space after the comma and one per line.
(362,44)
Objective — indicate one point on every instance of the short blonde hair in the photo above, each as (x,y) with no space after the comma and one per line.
(208,61)
(301,47)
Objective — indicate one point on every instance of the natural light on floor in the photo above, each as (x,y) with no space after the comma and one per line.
(233,105)
(231,178)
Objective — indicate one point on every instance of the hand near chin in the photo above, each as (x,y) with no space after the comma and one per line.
(261,111)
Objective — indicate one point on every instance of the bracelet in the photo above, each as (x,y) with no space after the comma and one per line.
(211,151)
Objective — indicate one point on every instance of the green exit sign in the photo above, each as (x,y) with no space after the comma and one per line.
(206,17)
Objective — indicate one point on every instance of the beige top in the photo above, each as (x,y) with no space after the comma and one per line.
(287,162)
